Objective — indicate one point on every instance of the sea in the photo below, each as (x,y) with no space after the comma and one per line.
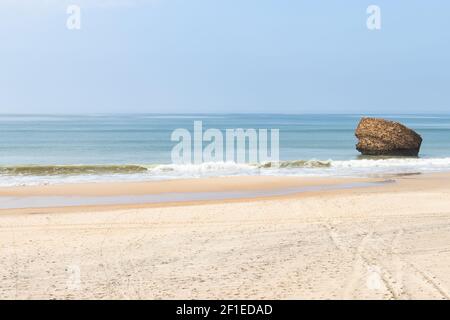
(51,149)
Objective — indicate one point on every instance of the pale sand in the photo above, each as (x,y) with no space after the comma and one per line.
(388,242)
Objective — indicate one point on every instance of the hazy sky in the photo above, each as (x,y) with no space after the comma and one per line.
(289,56)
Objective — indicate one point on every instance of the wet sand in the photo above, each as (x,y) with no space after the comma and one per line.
(384,242)
(168,192)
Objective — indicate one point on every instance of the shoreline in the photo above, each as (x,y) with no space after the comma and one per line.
(67,201)
(172,192)
(205,184)
(12,176)
(190,192)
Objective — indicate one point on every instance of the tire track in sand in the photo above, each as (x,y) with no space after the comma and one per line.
(361,260)
(401,265)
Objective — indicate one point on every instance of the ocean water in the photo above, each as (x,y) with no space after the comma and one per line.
(40,149)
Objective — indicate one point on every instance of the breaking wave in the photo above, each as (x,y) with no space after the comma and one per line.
(43,174)
(297,164)
(51,170)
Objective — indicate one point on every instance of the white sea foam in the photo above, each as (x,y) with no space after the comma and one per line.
(313,167)
(367,167)
(426,164)
(205,169)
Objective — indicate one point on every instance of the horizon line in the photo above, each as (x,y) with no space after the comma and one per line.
(215,113)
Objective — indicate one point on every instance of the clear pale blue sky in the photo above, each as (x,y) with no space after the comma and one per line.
(289,56)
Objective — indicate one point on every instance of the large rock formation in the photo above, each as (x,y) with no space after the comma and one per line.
(386,138)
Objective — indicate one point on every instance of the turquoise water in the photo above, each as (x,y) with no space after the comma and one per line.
(143,141)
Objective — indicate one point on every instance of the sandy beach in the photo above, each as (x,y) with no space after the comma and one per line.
(389,241)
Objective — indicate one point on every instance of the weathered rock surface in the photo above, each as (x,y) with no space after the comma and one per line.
(386,138)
